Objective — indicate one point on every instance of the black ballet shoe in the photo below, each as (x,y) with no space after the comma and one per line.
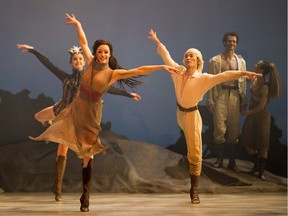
(58,197)
(84,204)
(84,208)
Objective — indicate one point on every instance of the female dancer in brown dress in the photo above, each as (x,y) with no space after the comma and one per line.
(256,128)
(78,125)
(70,86)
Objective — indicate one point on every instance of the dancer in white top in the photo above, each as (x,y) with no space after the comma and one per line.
(190,86)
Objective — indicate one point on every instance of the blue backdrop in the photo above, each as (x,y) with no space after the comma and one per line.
(180,24)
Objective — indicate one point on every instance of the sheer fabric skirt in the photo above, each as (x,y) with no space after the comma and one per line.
(78,127)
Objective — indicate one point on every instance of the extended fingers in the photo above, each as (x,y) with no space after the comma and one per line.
(152,34)
(175,70)
(23,47)
(70,19)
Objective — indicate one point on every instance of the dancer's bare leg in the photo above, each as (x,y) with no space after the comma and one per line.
(62,150)
(86,161)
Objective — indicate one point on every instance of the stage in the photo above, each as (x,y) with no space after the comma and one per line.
(108,204)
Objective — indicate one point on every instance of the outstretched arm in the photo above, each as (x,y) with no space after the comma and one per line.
(71,20)
(44,60)
(210,80)
(116,91)
(143,70)
(229,75)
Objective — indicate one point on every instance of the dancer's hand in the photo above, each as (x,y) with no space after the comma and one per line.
(251,75)
(24,47)
(71,19)
(136,96)
(153,36)
(171,69)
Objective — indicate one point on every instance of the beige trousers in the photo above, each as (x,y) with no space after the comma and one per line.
(191,124)
(227,116)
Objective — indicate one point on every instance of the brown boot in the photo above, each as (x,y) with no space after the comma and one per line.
(232,158)
(256,166)
(262,165)
(86,178)
(194,189)
(60,166)
(219,148)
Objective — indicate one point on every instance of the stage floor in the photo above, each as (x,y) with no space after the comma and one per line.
(23,204)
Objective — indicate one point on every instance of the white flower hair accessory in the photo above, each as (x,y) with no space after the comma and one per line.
(75,50)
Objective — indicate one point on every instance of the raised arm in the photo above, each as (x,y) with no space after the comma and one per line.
(143,70)
(44,60)
(162,51)
(153,37)
(71,20)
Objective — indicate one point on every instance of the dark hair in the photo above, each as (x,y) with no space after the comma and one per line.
(113,64)
(265,66)
(274,82)
(235,34)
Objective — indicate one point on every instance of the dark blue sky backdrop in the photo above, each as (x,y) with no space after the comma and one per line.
(180,24)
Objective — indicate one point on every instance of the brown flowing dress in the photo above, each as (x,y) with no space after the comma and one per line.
(78,125)
(256,128)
